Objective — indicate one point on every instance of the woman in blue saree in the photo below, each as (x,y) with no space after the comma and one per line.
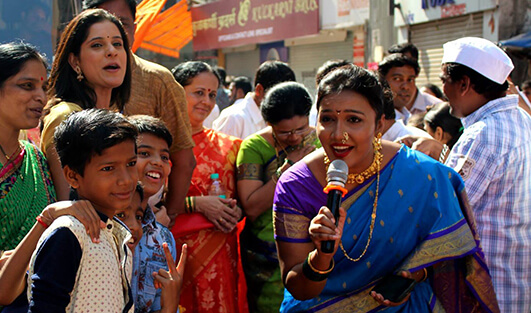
(404,214)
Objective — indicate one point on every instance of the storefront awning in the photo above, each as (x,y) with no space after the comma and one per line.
(519,45)
(165,32)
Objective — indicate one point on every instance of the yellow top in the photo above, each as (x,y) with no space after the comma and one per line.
(58,113)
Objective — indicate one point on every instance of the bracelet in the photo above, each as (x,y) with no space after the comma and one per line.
(274,178)
(39,219)
(290,162)
(190,204)
(444,151)
(425,275)
(314,274)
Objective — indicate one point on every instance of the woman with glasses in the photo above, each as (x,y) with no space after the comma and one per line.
(263,157)
(212,282)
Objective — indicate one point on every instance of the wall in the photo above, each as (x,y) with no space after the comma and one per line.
(381,31)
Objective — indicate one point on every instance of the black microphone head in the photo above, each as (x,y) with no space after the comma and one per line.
(337,172)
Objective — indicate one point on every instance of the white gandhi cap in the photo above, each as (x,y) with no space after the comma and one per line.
(481,55)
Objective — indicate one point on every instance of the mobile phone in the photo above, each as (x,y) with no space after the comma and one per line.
(394,288)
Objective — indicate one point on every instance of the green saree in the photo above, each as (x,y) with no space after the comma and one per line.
(258,160)
(25,190)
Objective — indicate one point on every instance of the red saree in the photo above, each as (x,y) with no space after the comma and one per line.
(213,280)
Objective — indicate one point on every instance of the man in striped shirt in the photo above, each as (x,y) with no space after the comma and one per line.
(494,158)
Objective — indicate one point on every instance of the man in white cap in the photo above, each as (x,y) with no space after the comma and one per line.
(493,155)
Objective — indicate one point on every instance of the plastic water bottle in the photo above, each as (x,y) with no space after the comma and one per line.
(216,189)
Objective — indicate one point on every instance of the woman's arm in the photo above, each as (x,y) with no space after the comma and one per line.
(12,274)
(256,197)
(293,256)
(62,188)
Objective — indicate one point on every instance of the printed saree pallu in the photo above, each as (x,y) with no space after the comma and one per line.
(25,190)
(422,221)
(213,280)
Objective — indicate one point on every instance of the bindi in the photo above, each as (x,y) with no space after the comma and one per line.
(42,78)
(338,111)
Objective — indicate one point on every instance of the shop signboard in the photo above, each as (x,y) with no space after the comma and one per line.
(338,14)
(231,23)
(410,12)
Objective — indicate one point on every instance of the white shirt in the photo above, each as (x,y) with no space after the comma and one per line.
(422,101)
(211,117)
(399,130)
(241,119)
(493,155)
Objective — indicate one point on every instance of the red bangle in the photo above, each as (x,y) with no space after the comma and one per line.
(39,219)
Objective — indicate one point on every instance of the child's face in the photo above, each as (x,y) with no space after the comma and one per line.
(109,179)
(153,162)
(132,217)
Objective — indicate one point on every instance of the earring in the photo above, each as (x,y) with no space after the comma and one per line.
(377,142)
(345,138)
(79,73)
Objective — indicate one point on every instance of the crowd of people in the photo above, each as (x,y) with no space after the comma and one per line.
(152,190)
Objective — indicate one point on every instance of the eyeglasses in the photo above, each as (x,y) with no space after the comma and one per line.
(296,132)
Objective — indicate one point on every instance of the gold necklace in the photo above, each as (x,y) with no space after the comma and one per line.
(373,220)
(277,143)
(378,157)
(8,158)
(366,174)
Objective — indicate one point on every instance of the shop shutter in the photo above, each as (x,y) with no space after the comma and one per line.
(243,63)
(306,59)
(430,37)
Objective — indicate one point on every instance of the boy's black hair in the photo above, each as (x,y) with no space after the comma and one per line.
(152,125)
(243,83)
(87,133)
(271,73)
(397,60)
(405,48)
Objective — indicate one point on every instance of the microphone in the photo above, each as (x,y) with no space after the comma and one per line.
(336,177)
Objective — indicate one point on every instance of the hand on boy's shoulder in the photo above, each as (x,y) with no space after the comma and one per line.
(162,215)
(82,210)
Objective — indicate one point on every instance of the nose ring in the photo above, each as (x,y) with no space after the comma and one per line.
(345,138)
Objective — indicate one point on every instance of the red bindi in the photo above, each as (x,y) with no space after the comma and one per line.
(209,90)
(42,78)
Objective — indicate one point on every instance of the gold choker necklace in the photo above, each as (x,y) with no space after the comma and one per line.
(366,174)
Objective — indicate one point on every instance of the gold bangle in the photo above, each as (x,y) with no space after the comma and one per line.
(187,205)
(425,275)
(332,264)
(274,178)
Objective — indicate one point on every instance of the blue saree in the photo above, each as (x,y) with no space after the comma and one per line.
(423,221)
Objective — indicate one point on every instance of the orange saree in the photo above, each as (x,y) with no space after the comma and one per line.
(213,280)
